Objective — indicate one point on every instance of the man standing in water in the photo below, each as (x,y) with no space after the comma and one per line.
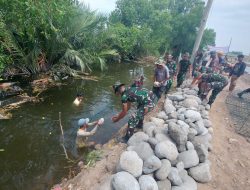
(184,66)
(144,102)
(83,134)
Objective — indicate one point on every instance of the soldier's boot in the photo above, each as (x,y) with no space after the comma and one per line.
(130,132)
(140,124)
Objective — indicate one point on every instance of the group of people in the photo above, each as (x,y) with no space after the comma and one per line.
(207,74)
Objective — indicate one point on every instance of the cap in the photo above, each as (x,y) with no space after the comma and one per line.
(83,121)
(160,62)
(117,86)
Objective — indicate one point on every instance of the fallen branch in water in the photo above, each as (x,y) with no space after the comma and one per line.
(64,149)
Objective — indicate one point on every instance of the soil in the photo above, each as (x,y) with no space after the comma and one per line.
(230,155)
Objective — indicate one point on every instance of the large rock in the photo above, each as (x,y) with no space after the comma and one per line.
(181,110)
(164,185)
(192,115)
(190,146)
(166,149)
(207,123)
(200,128)
(158,122)
(202,152)
(163,172)
(179,135)
(191,134)
(162,115)
(176,97)
(137,138)
(148,128)
(194,97)
(188,184)
(202,139)
(131,162)
(168,107)
(181,117)
(163,129)
(153,142)
(147,183)
(143,150)
(173,115)
(201,173)
(151,164)
(190,92)
(124,181)
(189,158)
(183,125)
(190,103)
(174,176)
(162,137)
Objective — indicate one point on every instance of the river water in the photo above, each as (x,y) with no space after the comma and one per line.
(31,156)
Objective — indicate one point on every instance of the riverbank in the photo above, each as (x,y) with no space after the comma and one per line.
(230,161)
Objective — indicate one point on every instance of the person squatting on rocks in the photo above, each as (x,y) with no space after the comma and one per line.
(184,66)
(212,81)
(171,64)
(141,97)
(83,134)
(236,72)
(243,92)
(161,76)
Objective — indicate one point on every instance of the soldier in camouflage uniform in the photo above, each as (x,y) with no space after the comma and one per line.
(183,67)
(172,71)
(211,81)
(138,95)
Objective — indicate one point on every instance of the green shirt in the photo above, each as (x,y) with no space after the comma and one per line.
(136,95)
(172,68)
(184,65)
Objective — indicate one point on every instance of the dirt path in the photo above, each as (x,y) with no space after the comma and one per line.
(230,156)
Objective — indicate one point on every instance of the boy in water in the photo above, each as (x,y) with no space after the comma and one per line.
(79,99)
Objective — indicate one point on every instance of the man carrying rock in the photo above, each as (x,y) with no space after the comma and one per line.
(172,71)
(161,75)
(211,81)
(141,97)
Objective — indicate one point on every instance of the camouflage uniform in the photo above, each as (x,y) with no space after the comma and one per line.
(184,65)
(172,72)
(143,98)
(213,81)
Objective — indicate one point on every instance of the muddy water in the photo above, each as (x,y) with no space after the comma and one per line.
(31,155)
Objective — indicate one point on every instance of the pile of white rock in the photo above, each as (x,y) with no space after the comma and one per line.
(171,152)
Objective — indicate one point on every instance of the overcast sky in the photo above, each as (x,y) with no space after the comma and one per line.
(229,18)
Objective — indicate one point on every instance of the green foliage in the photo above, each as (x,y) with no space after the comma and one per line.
(164,23)
(208,38)
(39,34)
(92,157)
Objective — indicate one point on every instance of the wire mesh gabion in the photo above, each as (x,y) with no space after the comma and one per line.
(239,109)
